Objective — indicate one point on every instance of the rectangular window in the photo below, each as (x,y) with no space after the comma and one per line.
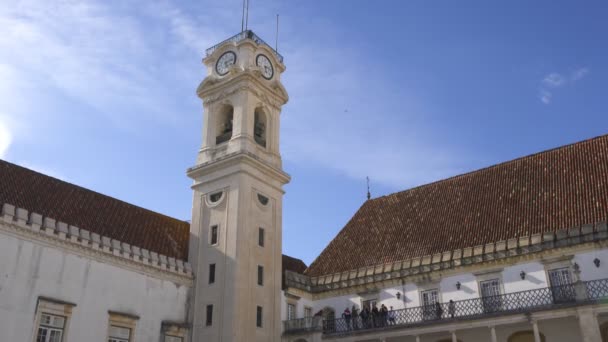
(490,295)
(260,275)
(561,288)
(173,339)
(261,237)
(51,328)
(214,235)
(119,334)
(429,309)
(291,311)
(307,311)
(258,317)
(209,319)
(211,273)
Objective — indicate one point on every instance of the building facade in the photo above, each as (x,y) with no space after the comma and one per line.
(512,253)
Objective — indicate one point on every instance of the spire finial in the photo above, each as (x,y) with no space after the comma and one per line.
(369,195)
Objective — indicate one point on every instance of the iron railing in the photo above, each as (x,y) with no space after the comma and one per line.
(579,293)
(303,324)
(248,34)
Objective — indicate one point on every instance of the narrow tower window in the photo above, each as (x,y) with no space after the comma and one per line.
(213,239)
(261,275)
(261,237)
(224,124)
(259,128)
(209,318)
(258,317)
(211,273)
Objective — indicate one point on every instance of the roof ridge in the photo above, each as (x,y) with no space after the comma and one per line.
(90,190)
(470,173)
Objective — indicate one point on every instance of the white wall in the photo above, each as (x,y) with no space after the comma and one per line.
(29,270)
(535,278)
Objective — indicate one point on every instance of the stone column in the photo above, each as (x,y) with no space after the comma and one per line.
(536,332)
(417,338)
(493,334)
(590,329)
(454,339)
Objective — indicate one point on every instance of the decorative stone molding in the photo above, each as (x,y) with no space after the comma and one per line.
(492,252)
(33,227)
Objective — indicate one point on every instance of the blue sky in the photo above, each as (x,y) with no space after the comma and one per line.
(101,94)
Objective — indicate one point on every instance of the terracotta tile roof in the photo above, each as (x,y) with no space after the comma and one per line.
(292,264)
(560,188)
(93,211)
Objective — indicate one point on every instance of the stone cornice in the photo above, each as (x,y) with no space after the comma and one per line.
(46,231)
(493,255)
(213,88)
(236,159)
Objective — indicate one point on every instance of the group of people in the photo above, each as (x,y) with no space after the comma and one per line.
(366,318)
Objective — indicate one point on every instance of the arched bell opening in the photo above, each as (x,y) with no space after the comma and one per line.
(224,124)
(260,125)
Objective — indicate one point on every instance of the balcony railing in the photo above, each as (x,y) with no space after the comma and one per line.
(248,34)
(517,302)
(305,324)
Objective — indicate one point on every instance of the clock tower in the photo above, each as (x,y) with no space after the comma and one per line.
(236,230)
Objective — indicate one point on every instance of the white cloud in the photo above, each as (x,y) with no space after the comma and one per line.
(5,138)
(555,80)
(579,73)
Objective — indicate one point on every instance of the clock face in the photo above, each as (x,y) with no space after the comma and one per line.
(224,62)
(265,66)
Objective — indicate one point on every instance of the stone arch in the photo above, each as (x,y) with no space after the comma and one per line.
(223,123)
(524,336)
(260,126)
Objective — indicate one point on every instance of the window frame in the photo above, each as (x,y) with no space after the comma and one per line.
(122,320)
(215,227)
(209,315)
(261,236)
(260,275)
(291,314)
(56,308)
(259,317)
(211,274)
(174,330)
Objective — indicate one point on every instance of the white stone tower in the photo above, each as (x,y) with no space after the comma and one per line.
(236,231)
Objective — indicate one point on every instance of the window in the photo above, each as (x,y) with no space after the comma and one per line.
(173,339)
(490,295)
(258,317)
(261,275)
(211,273)
(259,127)
(224,124)
(52,319)
(209,318)
(121,326)
(174,332)
(51,328)
(119,334)
(429,308)
(261,237)
(213,239)
(561,288)
(291,311)
(307,311)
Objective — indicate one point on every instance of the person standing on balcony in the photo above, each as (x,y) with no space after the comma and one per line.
(451,308)
(383,315)
(438,310)
(355,313)
(347,317)
(375,316)
(391,316)
(365,317)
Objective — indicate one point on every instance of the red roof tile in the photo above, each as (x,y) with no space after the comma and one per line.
(93,211)
(291,264)
(560,188)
